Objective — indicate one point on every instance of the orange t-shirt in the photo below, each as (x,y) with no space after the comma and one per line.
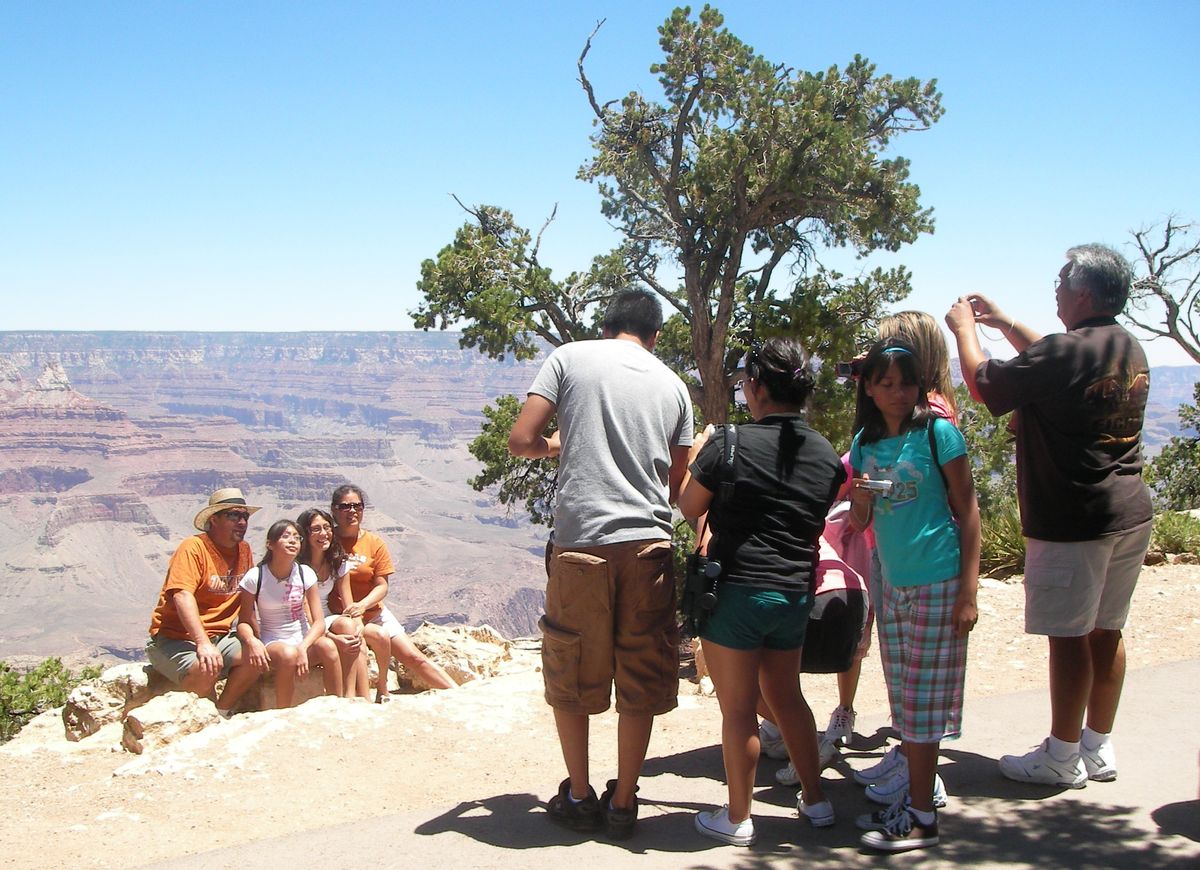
(200,568)
(367,559)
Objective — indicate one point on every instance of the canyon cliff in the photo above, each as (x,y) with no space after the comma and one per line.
(110,442)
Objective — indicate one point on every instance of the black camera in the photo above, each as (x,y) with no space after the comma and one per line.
(850,369)
(700,590)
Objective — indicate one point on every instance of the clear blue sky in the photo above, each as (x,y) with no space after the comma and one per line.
(287,166)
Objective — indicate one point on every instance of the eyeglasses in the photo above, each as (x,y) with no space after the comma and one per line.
(322,529)
(349,505)
(235,516)
(291,536)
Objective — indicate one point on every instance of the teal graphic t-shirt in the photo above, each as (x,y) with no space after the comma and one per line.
(915,531)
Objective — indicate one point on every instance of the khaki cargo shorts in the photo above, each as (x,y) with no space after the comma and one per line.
(610,618)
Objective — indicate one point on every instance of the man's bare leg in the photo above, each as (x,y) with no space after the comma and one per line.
(573,738)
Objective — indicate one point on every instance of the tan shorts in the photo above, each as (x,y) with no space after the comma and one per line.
(610,617)
(1073,587)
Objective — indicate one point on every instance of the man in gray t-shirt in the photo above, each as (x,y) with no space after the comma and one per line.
(624,429)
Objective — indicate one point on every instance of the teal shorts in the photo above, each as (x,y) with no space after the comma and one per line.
(173,658)
(749,617)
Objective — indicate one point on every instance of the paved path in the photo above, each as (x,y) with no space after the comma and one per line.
(1148,818)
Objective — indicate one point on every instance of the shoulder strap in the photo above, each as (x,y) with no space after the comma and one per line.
(728,465)
(725,472)
(258,585)
(933,451)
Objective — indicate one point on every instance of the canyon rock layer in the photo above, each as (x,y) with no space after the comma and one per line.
(110,442)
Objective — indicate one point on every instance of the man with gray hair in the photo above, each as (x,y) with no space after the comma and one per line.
(1080,402)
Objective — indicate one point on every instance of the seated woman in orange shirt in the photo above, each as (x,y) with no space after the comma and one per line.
(364,588)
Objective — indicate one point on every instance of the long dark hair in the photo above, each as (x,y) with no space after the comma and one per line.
(275,533)
(335,555)
(882,356)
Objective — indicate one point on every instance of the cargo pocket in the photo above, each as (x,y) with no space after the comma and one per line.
(657,613)
(561,651)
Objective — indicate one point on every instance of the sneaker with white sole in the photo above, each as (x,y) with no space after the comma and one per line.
(1101,762)
(716,824)
(1039,766)
(841,725)
(826,753)
(880,819)
(886,768)
(903,833)
(891,790)
(770,740)
(819,814)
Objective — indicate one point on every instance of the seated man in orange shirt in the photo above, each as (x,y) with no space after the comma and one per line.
(192,638)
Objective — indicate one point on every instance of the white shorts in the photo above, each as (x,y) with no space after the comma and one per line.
(1073,587)
(390,624)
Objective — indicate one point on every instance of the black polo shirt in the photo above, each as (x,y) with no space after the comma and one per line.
(1080,399)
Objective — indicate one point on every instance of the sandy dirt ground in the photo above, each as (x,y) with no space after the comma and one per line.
(333,762)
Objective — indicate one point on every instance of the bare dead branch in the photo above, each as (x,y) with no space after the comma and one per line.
(583,79)
(538,241)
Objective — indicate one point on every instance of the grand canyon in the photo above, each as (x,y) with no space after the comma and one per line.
(110,442)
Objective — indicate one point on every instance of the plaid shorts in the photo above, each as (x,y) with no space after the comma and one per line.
(924,664)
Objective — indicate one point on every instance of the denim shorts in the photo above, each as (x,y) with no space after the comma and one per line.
(748,617)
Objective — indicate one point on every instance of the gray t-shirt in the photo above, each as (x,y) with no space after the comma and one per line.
(620,410)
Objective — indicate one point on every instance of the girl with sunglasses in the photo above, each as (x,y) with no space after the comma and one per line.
(363,589)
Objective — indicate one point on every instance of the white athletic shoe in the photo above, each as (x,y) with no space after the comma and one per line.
(1101,762)
(885,768)
(716,824)
(770,740)
(1039,766)
(787,775)
(841,726)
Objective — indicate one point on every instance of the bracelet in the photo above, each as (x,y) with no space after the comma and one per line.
(1012,322)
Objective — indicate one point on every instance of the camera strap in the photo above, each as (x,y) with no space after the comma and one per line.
(726,473)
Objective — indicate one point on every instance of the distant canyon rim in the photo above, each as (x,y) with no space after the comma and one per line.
(110,441)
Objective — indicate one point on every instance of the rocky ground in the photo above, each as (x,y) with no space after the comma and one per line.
(332,762)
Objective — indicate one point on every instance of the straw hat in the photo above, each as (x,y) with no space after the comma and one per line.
(222,500)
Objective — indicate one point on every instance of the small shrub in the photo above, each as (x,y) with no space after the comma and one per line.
(1176,533)
(1002,546)
(25,694)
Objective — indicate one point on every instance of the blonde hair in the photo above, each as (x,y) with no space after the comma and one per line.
(922,332)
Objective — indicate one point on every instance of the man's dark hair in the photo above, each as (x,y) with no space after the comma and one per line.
(1104,273)
(637,312)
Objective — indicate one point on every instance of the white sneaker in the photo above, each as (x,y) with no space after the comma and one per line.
(1101,762)
(886,767)
(819,814)
(841,726)
(1039,766)
(770,740)
(716,824)
(827,752)
(891,790)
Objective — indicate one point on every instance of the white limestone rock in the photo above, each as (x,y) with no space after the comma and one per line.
(165,719)
(92,705)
